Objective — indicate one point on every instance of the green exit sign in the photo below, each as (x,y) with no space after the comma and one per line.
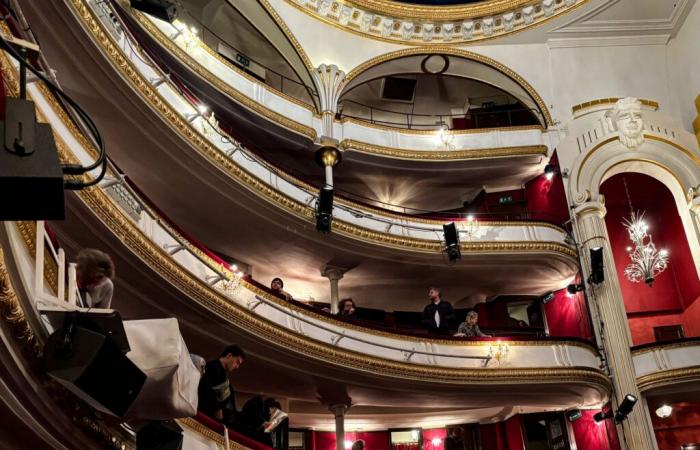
(505,199)
(242,60)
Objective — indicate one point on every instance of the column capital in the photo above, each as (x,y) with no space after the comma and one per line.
(330,81)
(339,409)
(591,208)
(333,273)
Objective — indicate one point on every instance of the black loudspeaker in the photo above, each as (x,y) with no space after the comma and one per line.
(103,321)
(31,178)
(597,268)
(93,368)
(324,209)
(162,9)
(162,435)
(451,241)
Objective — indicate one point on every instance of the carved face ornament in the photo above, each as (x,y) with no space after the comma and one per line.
(628,121)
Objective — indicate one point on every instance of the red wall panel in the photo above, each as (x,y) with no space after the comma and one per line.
(374,440)
(590,435)
(546,199)
(682,427)
(514,433)
(567,315)
(434,433)
(493,436)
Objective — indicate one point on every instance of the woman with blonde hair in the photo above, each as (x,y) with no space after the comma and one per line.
(95,272)
(469,328)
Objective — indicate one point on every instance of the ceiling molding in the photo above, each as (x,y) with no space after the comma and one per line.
(609,41)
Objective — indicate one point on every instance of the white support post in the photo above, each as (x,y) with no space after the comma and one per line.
(39,260)
(61,275)
(72,284)
(329,176)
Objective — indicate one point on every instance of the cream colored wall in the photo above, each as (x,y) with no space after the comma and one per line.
(684,68)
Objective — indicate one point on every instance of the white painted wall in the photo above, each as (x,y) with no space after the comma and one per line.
(684,68)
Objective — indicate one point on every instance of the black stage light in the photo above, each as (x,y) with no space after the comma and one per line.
(573,415)
(162,9)
(574,288)
(601,416)
(625,408)
(324,209)
(548,297)
(451,241)
(160,435)
(597,271)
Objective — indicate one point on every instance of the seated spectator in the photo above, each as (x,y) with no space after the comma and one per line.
(198,362)
(469,328)
(347,309)
(95,272)
(217,399)
(255,418)
(276,287)
(358,445)
(438,313)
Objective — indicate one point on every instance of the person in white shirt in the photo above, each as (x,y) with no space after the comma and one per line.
(95,272)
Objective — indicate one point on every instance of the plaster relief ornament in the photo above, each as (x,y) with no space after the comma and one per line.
(428,31)
(508,21)
(548,6)
(387,25)
(448,30)
(366,22)
(529,15)
(569,2)
(627,116)
(324,7)
(406,31)
(344,16)
(468,29)
(487,26)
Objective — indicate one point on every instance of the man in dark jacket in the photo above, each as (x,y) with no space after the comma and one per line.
(438,314)
(217,398)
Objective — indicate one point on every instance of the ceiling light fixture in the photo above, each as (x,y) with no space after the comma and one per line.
(664,411)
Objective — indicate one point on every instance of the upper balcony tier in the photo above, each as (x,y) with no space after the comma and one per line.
(240,206)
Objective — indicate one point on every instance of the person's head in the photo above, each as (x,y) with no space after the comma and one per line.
(270,405)
(358,445)
(472,317)
(93,267)
(347,306)
(277,284)
(198,362)
(434,293)
(232,357)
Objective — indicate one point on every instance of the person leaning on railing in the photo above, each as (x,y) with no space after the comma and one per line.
(94,274)
(347,309)
(276,287)
(469,327)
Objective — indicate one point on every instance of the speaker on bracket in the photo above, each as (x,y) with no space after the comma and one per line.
(162,9)
(324,209)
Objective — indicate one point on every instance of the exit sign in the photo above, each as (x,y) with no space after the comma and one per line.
(505,199)
(242,60)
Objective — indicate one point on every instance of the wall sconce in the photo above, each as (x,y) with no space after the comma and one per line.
(446,137)
(470,228)
(499,352)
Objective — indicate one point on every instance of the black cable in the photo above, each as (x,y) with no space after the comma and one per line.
(68,169)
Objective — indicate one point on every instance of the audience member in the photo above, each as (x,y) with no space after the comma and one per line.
(94,276)
(347,309)
(358,445)
(438,313)
(469,328)
(276,287)
(217,398)
(198,362)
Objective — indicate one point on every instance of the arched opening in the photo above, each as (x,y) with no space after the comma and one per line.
(670,308)
(426,91)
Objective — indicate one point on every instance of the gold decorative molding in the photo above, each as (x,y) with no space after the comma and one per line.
(12,313)
(448,25)
(668,377)
(300,210)
(210,434)
(155,257)
(443,155)
(505,70)
(412,131)
(609,101)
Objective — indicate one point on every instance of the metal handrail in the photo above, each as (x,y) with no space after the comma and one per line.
(364,341)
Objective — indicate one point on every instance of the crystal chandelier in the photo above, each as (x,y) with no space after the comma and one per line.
(646,262)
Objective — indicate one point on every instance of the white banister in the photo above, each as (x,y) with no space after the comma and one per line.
(61,275)
(72,284)
(39,259)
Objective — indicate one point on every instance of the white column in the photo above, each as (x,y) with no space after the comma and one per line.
(591,230)
(330,81)
(334,274)
(339,413)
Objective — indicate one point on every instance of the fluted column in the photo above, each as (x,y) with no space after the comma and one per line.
(334,274)
(330,81)
(339,413)
(592,232)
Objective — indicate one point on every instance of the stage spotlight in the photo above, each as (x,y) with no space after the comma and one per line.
(573,415)
(625,408)
(549,171)
(162,9)
(601,416)
(451,242)
(548,297)
(574,288)
(324,209)
(597,272)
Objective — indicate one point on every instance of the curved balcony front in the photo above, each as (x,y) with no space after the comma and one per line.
(668,366)
(214,307)
(535,255)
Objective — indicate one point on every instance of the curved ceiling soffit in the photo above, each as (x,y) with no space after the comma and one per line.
(491,63)
(151,96)
(412,24)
